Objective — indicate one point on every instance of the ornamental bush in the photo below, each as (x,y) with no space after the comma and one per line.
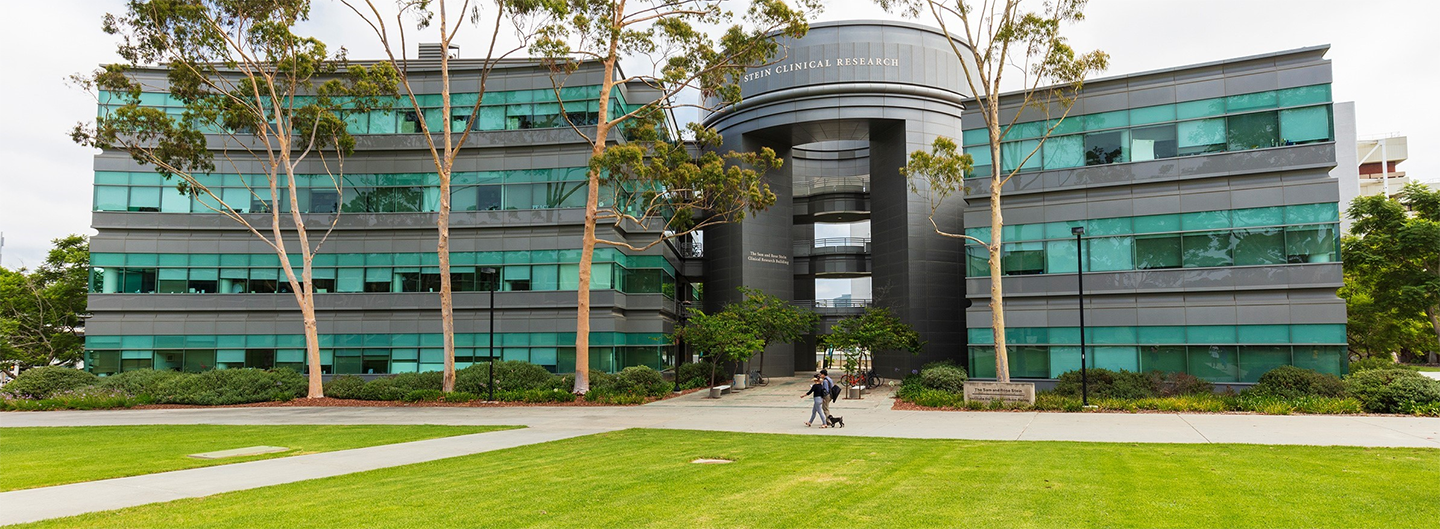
(231,386)
(641,380)
(409,382)
(697,375)
(1177,384)
(1107,384)
(42,382)
(1290,382)
(1375,362)
(424,395)
(382,389)
(137,382)
(345,387)
(510,375)
(1392,390)
(943,377)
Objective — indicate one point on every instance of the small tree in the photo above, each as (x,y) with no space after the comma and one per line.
(1394,257)
(773,319)
(446,149)
(1003,36)
(874,330)
(654,184)
(251,88)
(720,337)
(40,311)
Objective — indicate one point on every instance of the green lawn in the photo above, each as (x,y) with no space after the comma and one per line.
(1426,368)
(44,456)
(644,478)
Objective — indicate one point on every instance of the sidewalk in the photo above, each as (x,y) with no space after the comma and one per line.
(63,500)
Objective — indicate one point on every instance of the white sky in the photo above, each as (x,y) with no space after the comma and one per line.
(1382,52)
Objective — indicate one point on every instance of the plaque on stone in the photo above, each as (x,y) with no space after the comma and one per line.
(1001,391)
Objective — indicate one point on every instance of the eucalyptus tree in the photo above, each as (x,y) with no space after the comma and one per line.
(657,188)
(440,130)
(249,89)
(1004,37)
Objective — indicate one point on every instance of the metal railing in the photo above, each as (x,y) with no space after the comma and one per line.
(811,186)
(842,303)
(832,242)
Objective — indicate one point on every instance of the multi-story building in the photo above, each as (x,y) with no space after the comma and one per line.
(1205,191)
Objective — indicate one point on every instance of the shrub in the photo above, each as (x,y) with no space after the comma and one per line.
(1375,362)
(935,398)
(345,387)
(943,377)
(613,398)
(86,398)
(510,375)
(459,396)
(535,395)
(1107,384)
(1390,390)
(1425,410)
(1177,384)
(425,395)
(697,375)
(409,382)
(382,389)
(137,382)
(1291,382)
(42,382)
(641,380)
(231,386)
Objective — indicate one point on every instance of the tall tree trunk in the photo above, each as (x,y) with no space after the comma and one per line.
(997,224)
(442,247)
(592,210)
(1434,313)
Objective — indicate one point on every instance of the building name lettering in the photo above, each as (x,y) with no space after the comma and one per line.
(822,63)
(767,258)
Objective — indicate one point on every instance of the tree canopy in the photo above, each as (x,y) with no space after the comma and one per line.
(40,310)
(1392,269)
(720,337)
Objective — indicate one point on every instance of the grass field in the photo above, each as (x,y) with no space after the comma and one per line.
(644,478)
(39,457)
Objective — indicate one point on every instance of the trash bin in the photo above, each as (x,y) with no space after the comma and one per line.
(739,382)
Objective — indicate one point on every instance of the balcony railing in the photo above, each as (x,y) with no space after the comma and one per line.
(825,184)
(840,303)
(831,242)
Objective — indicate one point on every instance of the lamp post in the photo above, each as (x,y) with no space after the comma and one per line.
(494,274)
(1080,293)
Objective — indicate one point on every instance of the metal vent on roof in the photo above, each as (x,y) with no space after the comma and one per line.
(432,51)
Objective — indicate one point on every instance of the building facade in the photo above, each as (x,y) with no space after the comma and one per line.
(1205,191)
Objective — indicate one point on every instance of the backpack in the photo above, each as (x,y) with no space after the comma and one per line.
(834,392)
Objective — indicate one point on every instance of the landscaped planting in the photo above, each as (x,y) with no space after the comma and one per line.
(65,388)
(1281,391)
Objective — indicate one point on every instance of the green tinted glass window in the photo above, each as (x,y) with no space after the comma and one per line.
(1256,360)
(1200,137)
(1064,151)
(1305,125)
(1200,109)
(1252,131)
(1214,363)
(1255,101)
(1155,114)
(1304,95)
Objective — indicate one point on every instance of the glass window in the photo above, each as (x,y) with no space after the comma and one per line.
(1156,223)
(1259,247)
(1200,137)
(1252,131)
(173,201)
(1299,125)
(980,157)
(545,277)
(976,137)
(350,280)
(324,201)
(1201,250)
(1012,153)
(1106,120)
(1060,257)
(1024,258)
(1115,358)
(1110,253)
(1106,147)
(1200,109)
(1256,334)
(1063,360)
(1214,363)
(1253,101)
(1256,360)
(197,360)
(1312,213)
(1322,358)
(1151,143)
(982,362)
(144,199)
(1161,334)
(1064,151)
(1304,95)
(382,122)
(1157,252)
(1155,114)
(517,278)
(1272,216)
(1310,244)
(1205,220)
(978,261)
(111,198)
(1166,359)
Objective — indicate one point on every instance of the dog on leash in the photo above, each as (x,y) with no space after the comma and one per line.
(835,422)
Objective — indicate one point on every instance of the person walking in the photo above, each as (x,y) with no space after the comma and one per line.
(829,386)
(818,390)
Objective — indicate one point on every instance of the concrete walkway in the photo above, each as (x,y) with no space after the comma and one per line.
(777,408)
(31,505)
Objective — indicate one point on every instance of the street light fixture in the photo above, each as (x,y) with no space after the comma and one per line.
(494,275)
(1080,292)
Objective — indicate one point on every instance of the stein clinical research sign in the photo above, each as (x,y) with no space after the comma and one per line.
(840,62)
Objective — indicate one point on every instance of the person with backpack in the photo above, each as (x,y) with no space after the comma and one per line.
(818,390)
(831,390)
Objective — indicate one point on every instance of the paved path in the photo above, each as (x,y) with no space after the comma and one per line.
(30,505)
(777,408)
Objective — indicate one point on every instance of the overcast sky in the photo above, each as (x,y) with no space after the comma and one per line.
(1383,53)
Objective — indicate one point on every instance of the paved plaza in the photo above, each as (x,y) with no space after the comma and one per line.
(776,408)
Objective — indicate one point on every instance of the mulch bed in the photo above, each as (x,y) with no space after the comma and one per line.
(910,406)
(328,402)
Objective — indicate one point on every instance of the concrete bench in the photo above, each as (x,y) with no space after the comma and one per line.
(717,391)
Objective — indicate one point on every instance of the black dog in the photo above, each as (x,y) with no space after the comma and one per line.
(835,422)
